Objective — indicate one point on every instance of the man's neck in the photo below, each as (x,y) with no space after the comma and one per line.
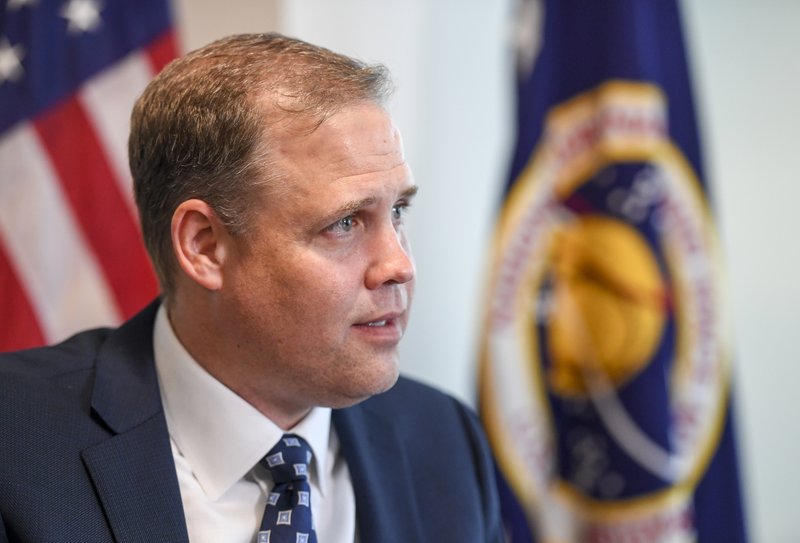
(205,344)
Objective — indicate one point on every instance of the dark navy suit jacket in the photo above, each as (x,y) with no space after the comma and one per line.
(85,453)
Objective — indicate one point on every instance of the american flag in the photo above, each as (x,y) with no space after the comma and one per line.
(71,255)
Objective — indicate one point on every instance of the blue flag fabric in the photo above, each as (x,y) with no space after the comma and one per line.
(61,44)
(605,364)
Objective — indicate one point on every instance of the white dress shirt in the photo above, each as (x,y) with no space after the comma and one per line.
(217,441)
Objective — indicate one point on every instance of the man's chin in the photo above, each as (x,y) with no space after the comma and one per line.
(356,395)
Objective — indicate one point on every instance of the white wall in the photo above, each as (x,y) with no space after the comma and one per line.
(747,72)
(451,61)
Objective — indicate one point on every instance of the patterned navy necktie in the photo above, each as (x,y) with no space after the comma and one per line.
(287,517)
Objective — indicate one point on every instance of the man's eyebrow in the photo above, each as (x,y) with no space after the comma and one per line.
(355,205)
(410,192)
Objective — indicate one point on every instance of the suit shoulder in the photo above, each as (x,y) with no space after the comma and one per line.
(407,387)
(409,396)
(74,354)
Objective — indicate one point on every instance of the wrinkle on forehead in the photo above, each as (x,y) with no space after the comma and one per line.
(343,148)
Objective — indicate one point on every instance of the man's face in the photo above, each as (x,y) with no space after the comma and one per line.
(321,287)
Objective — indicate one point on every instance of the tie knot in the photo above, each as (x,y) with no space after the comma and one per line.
(289,460)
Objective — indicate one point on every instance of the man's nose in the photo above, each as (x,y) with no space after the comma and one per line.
(391,260)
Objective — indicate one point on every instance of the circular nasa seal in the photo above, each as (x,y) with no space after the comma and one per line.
(604,361)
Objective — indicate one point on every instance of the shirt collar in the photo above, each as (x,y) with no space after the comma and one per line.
(200,410)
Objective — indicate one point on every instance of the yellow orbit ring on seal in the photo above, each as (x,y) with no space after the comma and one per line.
(609,305)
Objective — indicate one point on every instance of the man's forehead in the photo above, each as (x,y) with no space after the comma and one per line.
(357,139)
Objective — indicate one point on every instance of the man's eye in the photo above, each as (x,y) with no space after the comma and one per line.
(345,224)
(399,211)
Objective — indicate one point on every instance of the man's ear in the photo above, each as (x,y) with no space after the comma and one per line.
(199,241)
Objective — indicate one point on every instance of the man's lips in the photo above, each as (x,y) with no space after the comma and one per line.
(389,325)
(382,318)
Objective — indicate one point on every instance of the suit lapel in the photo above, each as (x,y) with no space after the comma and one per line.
(386,507)
(134,480)
(133,471)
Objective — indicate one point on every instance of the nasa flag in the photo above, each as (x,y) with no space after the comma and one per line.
(605,372)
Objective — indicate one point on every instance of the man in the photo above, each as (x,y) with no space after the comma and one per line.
(272,189)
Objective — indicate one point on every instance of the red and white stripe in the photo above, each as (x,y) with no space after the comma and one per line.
(71,255)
